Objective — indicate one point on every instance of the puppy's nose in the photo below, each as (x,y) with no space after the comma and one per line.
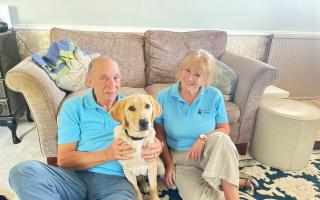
(143,124)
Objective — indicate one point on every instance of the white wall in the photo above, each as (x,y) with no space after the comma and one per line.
(260,15)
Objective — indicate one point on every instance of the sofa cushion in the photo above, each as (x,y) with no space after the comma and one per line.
(126,91)
(154,89)
(126,48)
(225,79)
(233,110)
(165,50)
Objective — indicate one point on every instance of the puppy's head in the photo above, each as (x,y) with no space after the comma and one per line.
(136,112)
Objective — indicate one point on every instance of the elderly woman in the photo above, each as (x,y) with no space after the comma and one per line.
(199,156)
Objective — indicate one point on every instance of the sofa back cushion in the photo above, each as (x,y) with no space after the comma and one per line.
(165,50)
(126,48)
(225,79)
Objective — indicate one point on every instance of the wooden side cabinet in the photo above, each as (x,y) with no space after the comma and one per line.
(12,104)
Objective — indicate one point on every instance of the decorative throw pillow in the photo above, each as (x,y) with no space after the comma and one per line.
(225,79)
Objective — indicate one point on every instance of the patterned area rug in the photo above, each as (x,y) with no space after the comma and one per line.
(275,184)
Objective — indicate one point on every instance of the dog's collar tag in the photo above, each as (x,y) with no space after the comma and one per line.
(132,137)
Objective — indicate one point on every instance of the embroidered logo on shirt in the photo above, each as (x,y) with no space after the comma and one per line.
(203,111)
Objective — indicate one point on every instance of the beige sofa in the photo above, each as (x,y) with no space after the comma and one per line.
(148,62)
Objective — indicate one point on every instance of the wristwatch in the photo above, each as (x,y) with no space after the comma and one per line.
(203,137)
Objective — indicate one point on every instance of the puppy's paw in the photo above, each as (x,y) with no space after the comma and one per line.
(143,185)
(161,186)
(3,197)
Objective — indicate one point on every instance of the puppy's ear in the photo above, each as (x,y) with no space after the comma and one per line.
(157,110)
(117,111)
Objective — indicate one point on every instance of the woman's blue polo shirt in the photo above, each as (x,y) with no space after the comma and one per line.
(184,123)
(83,121)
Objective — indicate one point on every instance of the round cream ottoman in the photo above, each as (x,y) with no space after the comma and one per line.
(285,133)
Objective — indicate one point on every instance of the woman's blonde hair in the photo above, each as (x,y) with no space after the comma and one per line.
(199,58)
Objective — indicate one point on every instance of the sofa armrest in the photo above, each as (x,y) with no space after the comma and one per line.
(43,98)
(253,77)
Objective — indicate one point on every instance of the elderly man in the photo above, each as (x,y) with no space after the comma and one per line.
(87,152)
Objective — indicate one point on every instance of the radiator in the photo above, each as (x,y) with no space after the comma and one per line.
(297,58)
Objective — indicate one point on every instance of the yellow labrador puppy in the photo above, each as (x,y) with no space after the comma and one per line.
(136,114)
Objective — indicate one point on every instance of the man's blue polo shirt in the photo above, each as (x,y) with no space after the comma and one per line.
(83,121)
(184,123)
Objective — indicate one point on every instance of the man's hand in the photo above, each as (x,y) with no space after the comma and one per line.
(196,151)
(152,151)
(121,150)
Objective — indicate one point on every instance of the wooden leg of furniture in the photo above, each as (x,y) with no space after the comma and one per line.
(29,115)
(52,161)
(316,145)
(12,125)
(242,148)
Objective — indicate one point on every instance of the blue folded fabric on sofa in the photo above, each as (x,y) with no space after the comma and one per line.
(55,62)
(66,64)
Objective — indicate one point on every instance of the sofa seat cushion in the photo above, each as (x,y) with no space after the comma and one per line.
(154,89)
(165,50)
(126,91)
(233,110)
(126,48)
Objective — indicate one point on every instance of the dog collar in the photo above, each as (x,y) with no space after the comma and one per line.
(132,137)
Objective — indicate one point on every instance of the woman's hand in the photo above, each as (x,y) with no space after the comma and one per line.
(152,151)
(170,176)
(196,151)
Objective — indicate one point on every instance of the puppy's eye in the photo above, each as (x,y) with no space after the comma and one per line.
(147,106)
(131,108)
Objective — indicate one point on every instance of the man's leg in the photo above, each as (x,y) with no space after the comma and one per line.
(108,187)
(35,180)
